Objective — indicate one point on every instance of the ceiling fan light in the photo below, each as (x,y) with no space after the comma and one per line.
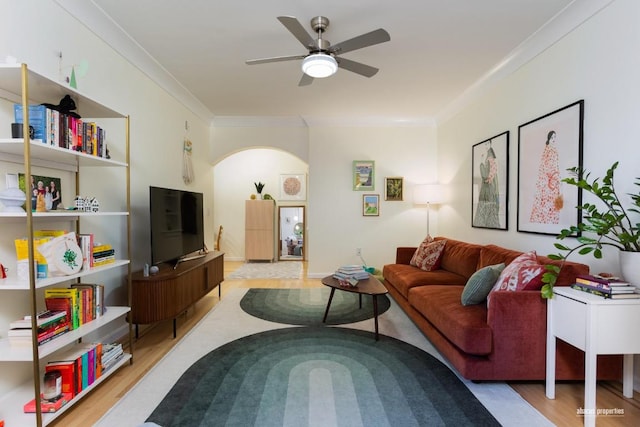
(319,65)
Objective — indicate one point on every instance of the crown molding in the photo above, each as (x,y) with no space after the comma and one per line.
(99,23)
(564,22)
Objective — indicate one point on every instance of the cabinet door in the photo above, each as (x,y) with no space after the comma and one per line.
(259,215)
(259,244)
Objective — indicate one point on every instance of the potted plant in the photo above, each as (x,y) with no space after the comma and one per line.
(608,225)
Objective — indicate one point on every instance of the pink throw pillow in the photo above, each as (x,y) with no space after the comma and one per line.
(427,256)
(523,274)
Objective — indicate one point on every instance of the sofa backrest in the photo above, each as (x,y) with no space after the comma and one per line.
(492,254)
(460,257)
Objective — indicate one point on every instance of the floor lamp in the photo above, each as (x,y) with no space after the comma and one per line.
(427,195)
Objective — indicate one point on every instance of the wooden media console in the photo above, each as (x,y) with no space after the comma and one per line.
(172,291)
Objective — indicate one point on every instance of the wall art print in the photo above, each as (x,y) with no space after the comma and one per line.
(293,186)
(370,205)
(490,183)
(363,174)
(547,147)
(394,189)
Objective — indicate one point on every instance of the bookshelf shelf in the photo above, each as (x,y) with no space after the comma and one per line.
(21,85)
(19,353)
(24,393)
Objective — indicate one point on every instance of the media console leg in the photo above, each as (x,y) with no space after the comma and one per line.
(136,331)
(174,328)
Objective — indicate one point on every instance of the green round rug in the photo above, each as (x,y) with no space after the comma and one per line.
(306,306)
(319,376)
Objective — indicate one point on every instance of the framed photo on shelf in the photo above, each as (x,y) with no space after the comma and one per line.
(547,147)
(44,192)
(490,183)
(394,189)
(370,205)
(293,186)
(364,174)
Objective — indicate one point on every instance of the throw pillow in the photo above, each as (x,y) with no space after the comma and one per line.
(418,255)
(524,273)
(480,284)
(427,256)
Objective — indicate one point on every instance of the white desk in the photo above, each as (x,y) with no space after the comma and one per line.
(596,326)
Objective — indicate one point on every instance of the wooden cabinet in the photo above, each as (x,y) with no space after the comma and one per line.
(24,294)
(171,291)
(259,241)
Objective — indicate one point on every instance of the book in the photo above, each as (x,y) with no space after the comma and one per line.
(48,405)
(17,336)
(44,318)
(67,369)
(603,293)
(605,282)
(73,293)
(85,241)
(37,119)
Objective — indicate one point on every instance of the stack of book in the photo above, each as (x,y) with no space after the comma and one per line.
(103,254)
(606,287)
(111,354)
(349,275)
(51,324)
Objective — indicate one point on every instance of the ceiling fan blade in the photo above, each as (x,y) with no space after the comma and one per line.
(364,40)
(295,27)
(357,67)
(274,59)
(306,80)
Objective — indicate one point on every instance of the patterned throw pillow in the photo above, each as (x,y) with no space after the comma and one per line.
(480,284)
(427,256)
(523,274)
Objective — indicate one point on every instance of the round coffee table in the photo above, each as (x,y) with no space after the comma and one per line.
(370,286)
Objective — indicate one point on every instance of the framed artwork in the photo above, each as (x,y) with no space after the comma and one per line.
(46,192)
(393,189)
(370,205)
(490,183)
(547,147)
(293,186)
(364,175)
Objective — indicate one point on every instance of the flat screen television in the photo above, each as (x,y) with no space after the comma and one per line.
(177,224)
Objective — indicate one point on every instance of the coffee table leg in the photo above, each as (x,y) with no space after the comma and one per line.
(324,319)
(375,313)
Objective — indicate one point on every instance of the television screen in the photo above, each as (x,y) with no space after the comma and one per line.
(177,224)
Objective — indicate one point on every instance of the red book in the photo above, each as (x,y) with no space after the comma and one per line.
(48,406)
(69,374)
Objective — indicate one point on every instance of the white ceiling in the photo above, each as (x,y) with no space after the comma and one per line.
(438,50)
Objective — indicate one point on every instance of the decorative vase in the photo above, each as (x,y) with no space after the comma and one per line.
(630,267)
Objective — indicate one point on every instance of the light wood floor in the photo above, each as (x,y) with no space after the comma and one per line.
(155,341)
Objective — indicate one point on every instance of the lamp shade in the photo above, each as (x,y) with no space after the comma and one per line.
(319,65)
(425,194)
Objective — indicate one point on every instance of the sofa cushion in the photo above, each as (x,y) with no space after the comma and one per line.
(460,257)
(523,274)
(427,256)
(480,284)
(465,326)
(403,277)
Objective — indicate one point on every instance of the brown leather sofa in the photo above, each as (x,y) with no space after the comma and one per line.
(504,341)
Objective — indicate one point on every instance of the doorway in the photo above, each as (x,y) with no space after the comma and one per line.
(291,244)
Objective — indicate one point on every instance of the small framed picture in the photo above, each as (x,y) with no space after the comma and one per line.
(393,189)
(490,185)
(364,175)
(293,186)
(370,205)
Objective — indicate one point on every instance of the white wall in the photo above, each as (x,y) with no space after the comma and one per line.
(597,62)
(335,223)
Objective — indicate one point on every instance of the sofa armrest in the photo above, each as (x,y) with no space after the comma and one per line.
(519,324)
(404,254)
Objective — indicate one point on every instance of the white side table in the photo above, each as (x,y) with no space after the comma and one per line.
(597,326)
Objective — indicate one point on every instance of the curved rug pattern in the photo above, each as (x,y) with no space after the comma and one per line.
(307,306)
(319,376)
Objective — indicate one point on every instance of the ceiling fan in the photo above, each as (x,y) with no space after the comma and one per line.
(322,59)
